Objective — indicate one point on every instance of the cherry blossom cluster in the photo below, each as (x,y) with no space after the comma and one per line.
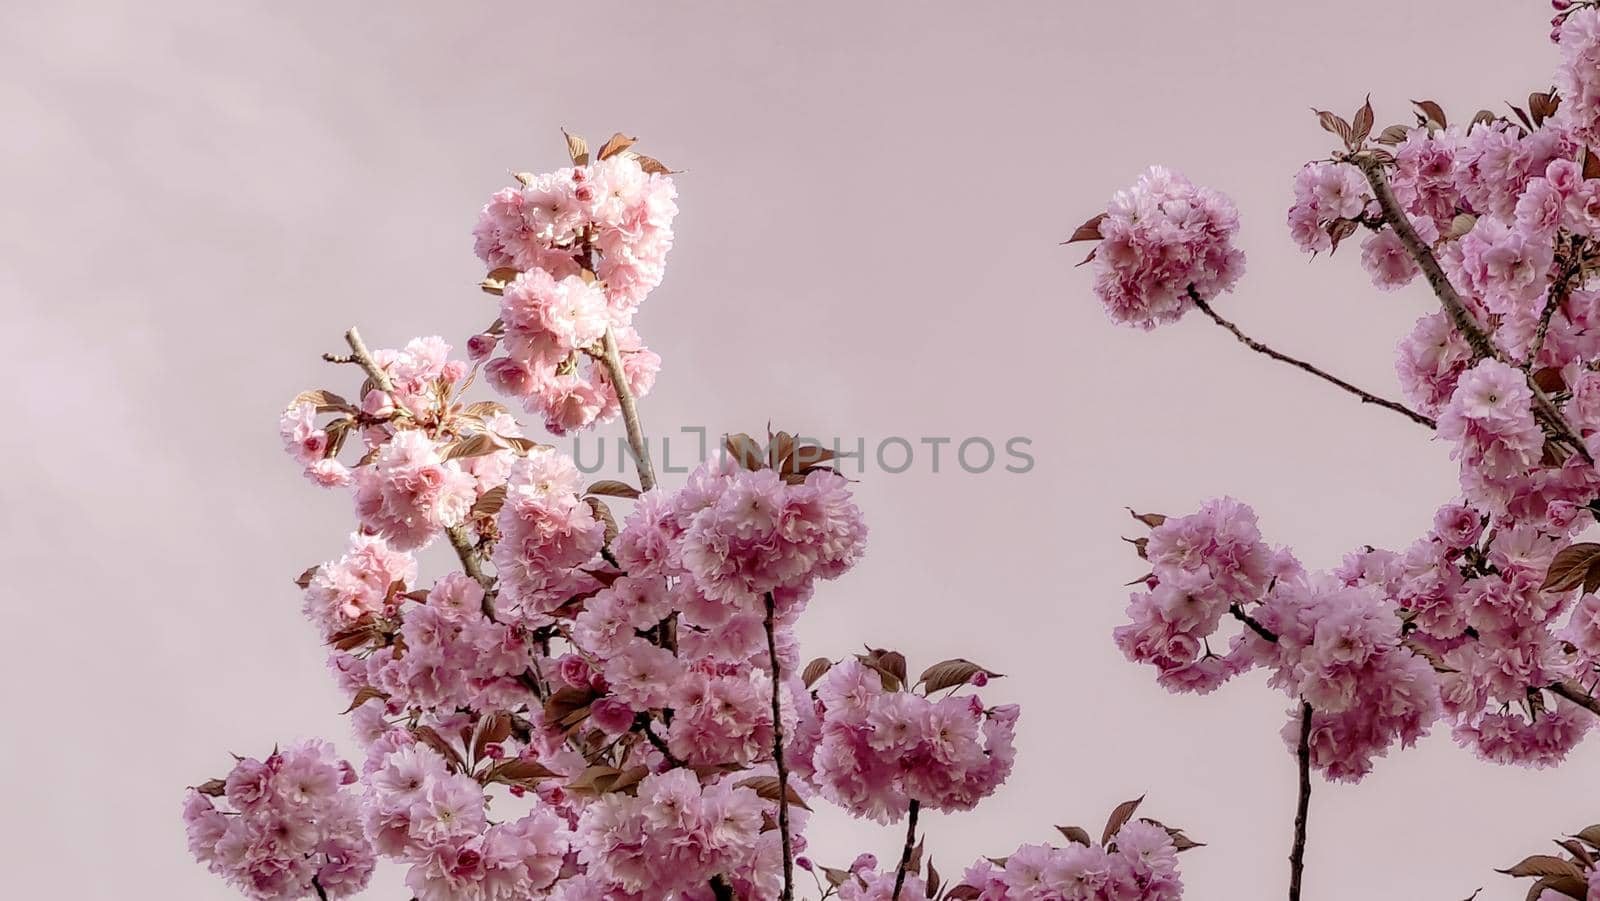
(1162,241)
(1332,642)
(418,810)
(573,253)
(290,827)
(590,705)
(1139,863)
(1490,621)
(875,751)
(1135,860)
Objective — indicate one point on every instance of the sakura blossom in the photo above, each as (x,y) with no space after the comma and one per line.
(594,703)
(1484,626)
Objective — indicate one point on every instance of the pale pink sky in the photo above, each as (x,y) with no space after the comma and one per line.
(200,197)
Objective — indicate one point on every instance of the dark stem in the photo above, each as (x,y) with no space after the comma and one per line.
(1297,855)
(1571,691)
(1367,397)
(468,555)
(720,889)
(905,853)
(1558,296)
(655,740)
(1422,255)
(321,892)
(777,756)
(630,412)
(361,356)
(1255,626)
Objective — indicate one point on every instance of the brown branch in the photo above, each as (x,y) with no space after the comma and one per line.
(1297,854)
(1462,318)
(630,412)
(468,555)
(1422,255)
(720,889)
(777,755)
(1573,692)
(1255,625)
(1367,397)
(655,741)
(361,356)
(905,853)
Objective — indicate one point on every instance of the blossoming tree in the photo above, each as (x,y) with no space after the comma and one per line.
(1489,622)
(589,709)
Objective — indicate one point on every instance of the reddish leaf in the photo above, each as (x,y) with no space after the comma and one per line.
(365,694)
(577,148)
(1119,817)
(216,788)
(304,579)
(1572,566)
(1076,834)
(815,670)
(489,503)
(767,787)
(1361,125)
(950,673)
(613,488)
(1394,134)
(1150,519)
(1089,231)
(1544,865)
(1336,125)
(1432,114)
(615,145)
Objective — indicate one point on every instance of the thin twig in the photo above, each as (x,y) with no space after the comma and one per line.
(630,413)
(1297,855)
(361,356)
(1367,397)
(1571,691)
(1422,255)
(321,892)
(1253,623)
(655,740)
(777,755)
(905,853)
(462,543)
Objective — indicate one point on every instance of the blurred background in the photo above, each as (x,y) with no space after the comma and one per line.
(198,198)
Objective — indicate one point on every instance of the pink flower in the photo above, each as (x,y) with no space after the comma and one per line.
(1160,239)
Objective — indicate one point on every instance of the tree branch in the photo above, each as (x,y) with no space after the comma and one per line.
(1255,625)
(720,889)
(658,744)
(630,412)
(361,356)
(905,853)
(1573,692)
(1422,255)
(1297,854)
(777,755)
(1367,397)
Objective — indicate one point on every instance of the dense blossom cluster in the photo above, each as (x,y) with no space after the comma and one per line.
(585,712)
(1489,621)
(291,826)
(1162,238)
(1140,863)
(874,752)
(574,253)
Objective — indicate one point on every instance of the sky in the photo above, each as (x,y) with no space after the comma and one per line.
(199,198)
